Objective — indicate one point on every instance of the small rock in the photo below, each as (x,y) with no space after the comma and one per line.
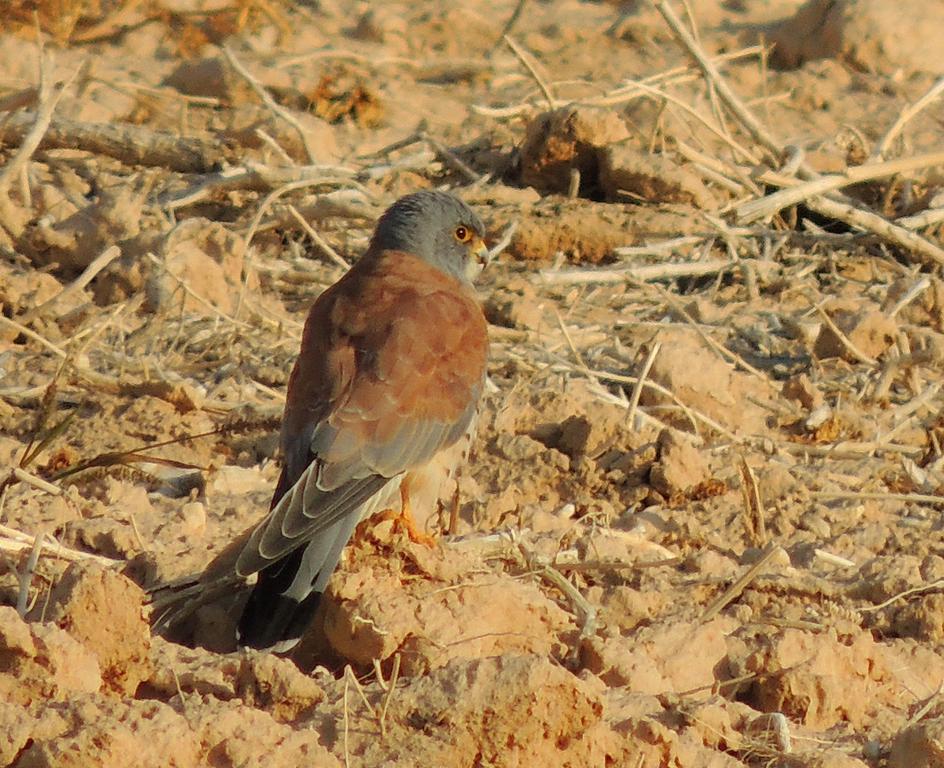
(518,447)
(110,537)
(627,608)
(213,77)
(710,563)
(660,658)
(776,482)
(194,670)
(528,710)
(205,256)
(193,519)
(76,241)
(229,480)
(617,546)
(45,663)
(690,369)
(379,25)
(772,729)
(680,465)
(516,306)
(16,727)
(242,124)
(571,436)
(835,758)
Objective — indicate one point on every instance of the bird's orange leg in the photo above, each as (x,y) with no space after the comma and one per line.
(404,518)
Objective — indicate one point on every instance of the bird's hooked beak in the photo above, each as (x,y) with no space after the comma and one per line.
(479,258)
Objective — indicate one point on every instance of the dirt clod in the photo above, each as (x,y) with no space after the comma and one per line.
(566,141)
(105,613)
(869,33)
(629,173)
(679,466)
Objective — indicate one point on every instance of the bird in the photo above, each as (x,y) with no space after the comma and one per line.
(380,408)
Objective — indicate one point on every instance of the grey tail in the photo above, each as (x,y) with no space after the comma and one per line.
(287,593)
(271,618)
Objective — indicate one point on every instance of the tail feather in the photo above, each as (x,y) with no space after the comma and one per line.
(286,596)
(287,591)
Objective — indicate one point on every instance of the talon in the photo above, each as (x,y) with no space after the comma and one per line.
(404,518)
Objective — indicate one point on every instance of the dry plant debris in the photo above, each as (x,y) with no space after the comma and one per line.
(702,522)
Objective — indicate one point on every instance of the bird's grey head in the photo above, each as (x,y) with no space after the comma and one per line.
(439,228)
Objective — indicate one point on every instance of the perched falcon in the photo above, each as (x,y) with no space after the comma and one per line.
(380,403)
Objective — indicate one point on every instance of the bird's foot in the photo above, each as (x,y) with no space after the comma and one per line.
(403,520)
(408,524)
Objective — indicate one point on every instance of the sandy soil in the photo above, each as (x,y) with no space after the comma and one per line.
(740,562)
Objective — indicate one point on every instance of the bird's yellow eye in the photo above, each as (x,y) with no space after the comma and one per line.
(463,235)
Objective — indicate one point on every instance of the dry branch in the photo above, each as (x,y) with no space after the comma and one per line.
(12,540)
(743,114)
(101,261)
(907,114)
(766,207)
(270,103)
(878,225)
(643,274)
(131,144)
(264,178)
(735,590)
(35,128)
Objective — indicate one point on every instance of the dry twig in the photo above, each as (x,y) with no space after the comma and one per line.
(906,116)
(276,109)
(765,207)
(130,144)
(735,590)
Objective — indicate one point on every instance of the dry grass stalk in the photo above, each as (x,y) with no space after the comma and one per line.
(391,687)
(37,482)
(765,207)
(914,498)
(753,504)
(857,353)
(629,91)
(530,66)
(906,116)
(838,210)
(264,178)
(11,218)
(833,559)
(926,706)
(100,262)
(938,584)
(744,115)
(726,354)
(878,225)
(643,274)
(12,540)
(31,334)
(318,240)
(279,111)
(735,590)
(26,577)
(637,388)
